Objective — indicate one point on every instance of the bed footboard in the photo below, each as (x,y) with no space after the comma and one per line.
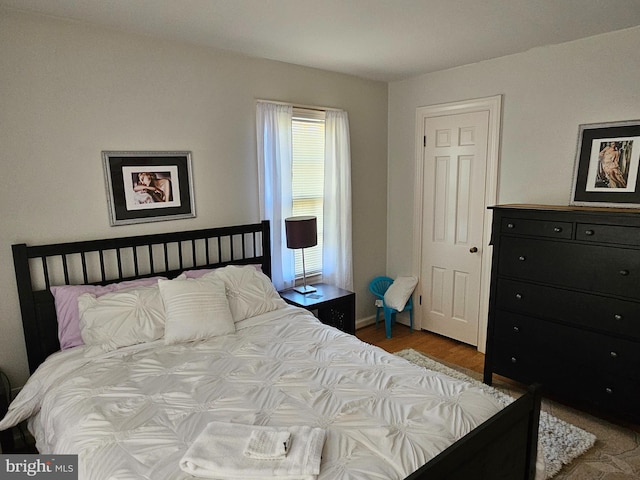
(503,447)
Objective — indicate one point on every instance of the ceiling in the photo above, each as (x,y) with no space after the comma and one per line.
(382,40)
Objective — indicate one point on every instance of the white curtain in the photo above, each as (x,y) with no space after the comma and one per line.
(337,266)
(274,140)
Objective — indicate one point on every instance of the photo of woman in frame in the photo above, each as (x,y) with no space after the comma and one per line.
(152,187)
(613,165)
(614,160)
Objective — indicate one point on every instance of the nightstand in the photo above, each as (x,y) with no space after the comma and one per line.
(335,306)
(6,436)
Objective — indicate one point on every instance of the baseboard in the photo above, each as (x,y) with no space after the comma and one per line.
(365,322)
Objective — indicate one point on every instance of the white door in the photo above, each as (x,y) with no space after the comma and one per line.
(453,213)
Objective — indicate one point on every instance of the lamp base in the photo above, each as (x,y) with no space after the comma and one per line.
(304,289)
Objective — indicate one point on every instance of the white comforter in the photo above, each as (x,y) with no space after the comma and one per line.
(133,412)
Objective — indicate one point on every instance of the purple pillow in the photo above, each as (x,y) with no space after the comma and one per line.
(198,272)
(66,299)
(203,271)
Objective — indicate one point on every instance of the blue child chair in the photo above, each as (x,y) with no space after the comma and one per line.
(378,287)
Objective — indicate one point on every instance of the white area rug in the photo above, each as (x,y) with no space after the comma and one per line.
(561,442)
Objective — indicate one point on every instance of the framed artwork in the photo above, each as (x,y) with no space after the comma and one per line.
(606,166)
(148,186)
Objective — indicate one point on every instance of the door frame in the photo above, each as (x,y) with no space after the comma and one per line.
(494,106)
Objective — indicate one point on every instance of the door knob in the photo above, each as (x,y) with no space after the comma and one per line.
(473,249)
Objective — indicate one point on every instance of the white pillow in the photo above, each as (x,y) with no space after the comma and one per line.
(399,292)
(195,309)
(122,318)
(249,291)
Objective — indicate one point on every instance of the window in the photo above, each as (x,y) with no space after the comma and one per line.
(322,187)
(308,179)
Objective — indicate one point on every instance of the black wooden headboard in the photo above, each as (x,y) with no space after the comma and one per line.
(111,260)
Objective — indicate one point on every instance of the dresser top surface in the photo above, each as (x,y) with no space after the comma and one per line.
(567,208)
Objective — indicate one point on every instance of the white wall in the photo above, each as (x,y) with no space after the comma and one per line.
(547,92)
(69,91)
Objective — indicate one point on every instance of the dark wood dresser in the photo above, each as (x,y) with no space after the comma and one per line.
(564,305)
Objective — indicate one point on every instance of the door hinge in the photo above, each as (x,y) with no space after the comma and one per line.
(419,299)
(424,141)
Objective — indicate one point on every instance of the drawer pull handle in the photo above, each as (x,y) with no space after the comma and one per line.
(624,273)
(589,232)
(514,360)
(609,390)
(510,225)
(557,229)
(522,258)
(516,329)
(617,316)
(519,296)
(614,354)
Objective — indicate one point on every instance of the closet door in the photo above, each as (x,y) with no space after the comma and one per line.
(455,163)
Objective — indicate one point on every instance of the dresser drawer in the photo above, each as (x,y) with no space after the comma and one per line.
(523,352)
(538,228)
(608,234)
(609,270)
(560,346)
(589,351)
(617,395)
(611,315)
(529,364)
(603,390)
(519,363)
(517,330)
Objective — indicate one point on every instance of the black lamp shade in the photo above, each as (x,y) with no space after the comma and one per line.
(302,232)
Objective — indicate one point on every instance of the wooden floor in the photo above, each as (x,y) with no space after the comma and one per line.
(429,343)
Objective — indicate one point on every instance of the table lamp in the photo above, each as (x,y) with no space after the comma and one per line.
(302,232)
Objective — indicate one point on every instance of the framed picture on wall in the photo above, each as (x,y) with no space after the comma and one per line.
(606,165)
(148,186)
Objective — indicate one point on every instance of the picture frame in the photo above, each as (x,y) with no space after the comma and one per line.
(607,164)
(148,186)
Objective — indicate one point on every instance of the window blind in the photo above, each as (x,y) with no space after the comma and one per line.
(308,179)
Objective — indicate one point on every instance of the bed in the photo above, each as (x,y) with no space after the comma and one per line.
(149,381)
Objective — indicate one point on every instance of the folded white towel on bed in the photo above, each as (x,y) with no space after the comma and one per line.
(218,453)
(267,444)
